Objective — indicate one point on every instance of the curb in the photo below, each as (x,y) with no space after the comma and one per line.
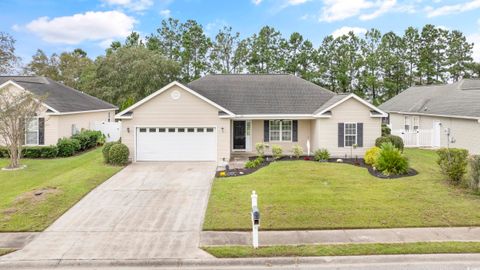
(275,261)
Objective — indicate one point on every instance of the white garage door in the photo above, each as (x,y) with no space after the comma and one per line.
(176,144)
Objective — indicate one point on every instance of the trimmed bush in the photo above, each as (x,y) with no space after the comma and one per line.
(475,172)
(40,151)
(321,155)
(390,161)
(453,163)
(277,151)
(3,152)
(68,147)
(371,155)
(88,138)
(386,130)
(254,163)
(106,150)
(395,140)
(118,154)
(297,151)
(260,147)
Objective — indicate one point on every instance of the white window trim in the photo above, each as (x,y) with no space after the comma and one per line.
(38,132)
(345,133)
(280,130)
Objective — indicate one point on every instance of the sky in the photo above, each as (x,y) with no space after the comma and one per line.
(63,25)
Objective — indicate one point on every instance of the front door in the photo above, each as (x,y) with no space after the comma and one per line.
(239,138)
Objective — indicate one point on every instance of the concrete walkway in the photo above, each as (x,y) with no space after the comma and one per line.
(401,235)
(146,211)
(16,240)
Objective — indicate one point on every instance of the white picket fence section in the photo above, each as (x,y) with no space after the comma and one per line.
(419,138)
(111,130)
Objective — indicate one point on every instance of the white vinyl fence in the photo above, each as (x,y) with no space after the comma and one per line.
(111,130)
(418,138)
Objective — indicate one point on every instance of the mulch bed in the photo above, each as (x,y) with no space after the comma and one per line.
(360,162)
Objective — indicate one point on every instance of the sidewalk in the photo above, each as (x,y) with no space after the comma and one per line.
(355,236)
(16,240)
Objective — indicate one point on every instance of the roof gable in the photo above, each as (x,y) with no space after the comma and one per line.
(340,99)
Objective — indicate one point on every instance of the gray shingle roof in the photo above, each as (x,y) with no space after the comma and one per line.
(458,99)
(262,94)
(58,96)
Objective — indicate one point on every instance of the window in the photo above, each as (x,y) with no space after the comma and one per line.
(181,130)
(142,130)
(190,130)
(408,123)
(416,123)
(171,130)
(209,129)
(199,129)
(161,130)
(280,130)
(74,129)
(152,130)
(350,134)
(31,132)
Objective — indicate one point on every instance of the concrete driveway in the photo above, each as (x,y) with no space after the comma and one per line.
(146,211)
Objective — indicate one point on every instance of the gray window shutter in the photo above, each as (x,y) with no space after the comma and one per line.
(295,130)
(41,131)
(360,134)
(341,135)
(266,131)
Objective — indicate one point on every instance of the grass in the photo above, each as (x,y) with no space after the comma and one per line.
(64,181)
(4,251)
(344,250)
(309,195)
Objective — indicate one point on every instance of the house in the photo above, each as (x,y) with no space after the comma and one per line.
(218,117)
(64,111)
(438,115)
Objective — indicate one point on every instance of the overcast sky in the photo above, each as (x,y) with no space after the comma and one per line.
(59,25)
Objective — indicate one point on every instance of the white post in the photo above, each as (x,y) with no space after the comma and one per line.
(254,224)
(308,147)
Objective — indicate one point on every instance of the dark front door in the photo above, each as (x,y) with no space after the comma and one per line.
(239,140)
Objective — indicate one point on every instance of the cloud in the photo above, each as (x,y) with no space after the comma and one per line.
(296,2)
(384,7)
(337,10)
(166,13)
(452,9)
(256,2)
(92,25)
(347,29)
(135,5)
(475,39)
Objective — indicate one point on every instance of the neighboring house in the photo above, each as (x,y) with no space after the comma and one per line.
(438,115)
(220,116)
(64,111)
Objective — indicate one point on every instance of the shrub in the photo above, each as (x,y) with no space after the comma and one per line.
(395,140)
(391,161)
(106,149)
(321,154)
(254,163)
(453,163)
(67,147)
(260,147)
(371,155)
(118,154)
(386,130)
(4,152)
(277,151)
(40,151)
(297,151)
(88,138)
(475,172)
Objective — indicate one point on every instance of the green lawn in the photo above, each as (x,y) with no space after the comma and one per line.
(312,195)
(344,250)
(64,182)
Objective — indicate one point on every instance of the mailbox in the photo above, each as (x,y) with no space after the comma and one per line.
(255,216)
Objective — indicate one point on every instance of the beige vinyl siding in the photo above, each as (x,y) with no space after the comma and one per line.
(188,110)
(326,129)
(304,135)
(81,120)
(466,132)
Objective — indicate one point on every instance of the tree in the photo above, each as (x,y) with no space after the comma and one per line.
(298,56)
(195,47)
(411,41)
(168,39)
(459,54)
(264,51)
(16,107)
(224,50)
(8,59)
(130,74)
(42,65)
(71,67)
(371,72)
(393,66)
